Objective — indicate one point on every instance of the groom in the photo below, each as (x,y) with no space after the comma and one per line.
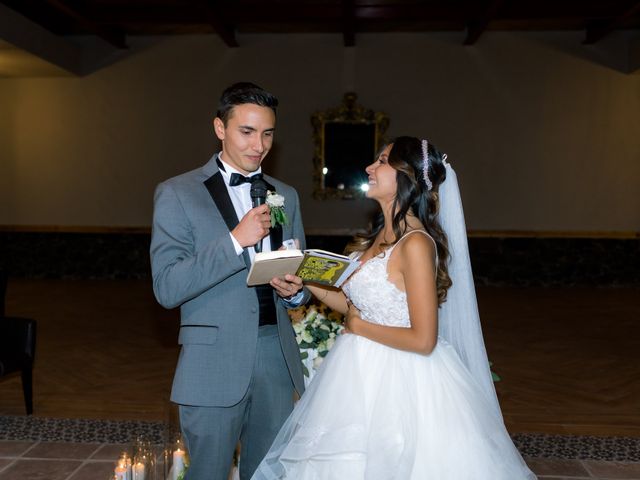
(239,362)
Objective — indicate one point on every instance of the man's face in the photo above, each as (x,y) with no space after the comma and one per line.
(247,137)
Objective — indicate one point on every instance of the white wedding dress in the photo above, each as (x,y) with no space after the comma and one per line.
(377,413)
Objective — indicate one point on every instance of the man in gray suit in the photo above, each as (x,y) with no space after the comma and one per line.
(239,362)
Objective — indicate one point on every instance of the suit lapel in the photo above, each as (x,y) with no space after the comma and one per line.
(275,233)
(218,191)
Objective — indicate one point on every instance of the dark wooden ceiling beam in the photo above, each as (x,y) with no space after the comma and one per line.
(268,13)
(555,10)
(598,30)
(219,23)
(227,18)
(113,37)
(407,12)
(476,28)
(348,23)
(32,37)
(296,12)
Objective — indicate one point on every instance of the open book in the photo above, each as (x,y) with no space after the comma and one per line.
(313,266)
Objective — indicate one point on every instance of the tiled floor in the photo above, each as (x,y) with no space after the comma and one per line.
(34,439)
(57,461)
(577,373)
(83,461)
(555,469)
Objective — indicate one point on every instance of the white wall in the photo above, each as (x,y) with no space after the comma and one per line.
(541,139)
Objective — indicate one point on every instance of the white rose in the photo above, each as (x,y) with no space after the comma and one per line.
(330,342)
(317,322)
(275,200)
(317,362)
(306,336)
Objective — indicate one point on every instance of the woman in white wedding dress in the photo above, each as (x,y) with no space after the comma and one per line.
(406,392)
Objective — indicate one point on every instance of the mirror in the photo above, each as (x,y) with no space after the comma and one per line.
(346,140)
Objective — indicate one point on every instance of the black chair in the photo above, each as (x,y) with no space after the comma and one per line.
(3,291)
(17,347)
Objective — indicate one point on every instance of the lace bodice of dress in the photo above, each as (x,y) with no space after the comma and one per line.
(371,292)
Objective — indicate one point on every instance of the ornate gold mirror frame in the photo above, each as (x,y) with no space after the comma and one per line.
(346,140)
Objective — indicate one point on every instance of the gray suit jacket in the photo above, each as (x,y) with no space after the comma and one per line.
(195,267)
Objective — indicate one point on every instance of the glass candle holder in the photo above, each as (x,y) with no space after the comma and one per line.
(175,458)
(144,465)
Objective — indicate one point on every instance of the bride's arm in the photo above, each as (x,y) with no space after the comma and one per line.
(334,299)
(417,267)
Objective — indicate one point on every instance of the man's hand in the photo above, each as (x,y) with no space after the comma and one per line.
(288,286)
(253,227)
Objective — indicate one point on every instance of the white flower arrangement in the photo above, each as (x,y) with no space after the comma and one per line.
(316,328)
(275,202)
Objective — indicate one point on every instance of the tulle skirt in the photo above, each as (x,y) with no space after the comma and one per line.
(374,412)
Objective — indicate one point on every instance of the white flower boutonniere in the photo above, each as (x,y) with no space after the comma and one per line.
(276,205)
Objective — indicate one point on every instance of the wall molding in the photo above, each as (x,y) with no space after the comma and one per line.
(75,229)
(497,260)
(349,232)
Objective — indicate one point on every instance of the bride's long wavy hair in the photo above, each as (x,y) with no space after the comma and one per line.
(413,196)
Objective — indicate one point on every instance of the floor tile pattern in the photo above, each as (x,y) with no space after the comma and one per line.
(15,427)
(621,449)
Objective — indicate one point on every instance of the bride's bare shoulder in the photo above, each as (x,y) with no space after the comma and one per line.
(418,247)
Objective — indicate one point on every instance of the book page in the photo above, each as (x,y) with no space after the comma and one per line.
(320,253)
(265,267)
(324,269)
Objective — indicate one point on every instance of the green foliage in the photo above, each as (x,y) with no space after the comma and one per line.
(494,375)
(278,217)
(316,328)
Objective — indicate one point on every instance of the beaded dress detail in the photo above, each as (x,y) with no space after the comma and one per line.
(371,292)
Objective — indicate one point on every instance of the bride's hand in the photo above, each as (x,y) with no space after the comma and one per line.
(351,318)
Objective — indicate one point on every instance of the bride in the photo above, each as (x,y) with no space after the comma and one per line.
(406,392)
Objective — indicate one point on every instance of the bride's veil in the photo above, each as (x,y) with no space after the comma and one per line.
(458,318)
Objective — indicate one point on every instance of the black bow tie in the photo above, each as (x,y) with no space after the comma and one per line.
(237,179)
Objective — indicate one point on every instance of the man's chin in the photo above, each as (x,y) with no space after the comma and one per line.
(252,166)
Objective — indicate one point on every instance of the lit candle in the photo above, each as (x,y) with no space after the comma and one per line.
(129,469)
(124,464)
(120,473)
(178,463)
(138,471)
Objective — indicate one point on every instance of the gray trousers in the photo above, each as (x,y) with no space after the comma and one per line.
(211,433)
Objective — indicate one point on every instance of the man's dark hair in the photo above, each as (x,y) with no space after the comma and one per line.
(241,93)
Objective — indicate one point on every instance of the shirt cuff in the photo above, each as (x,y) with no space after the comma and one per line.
(236,244)
(294,301)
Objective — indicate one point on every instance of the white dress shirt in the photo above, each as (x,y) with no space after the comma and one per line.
(241,199)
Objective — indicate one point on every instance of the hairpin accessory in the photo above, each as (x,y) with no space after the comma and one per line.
(425,164)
